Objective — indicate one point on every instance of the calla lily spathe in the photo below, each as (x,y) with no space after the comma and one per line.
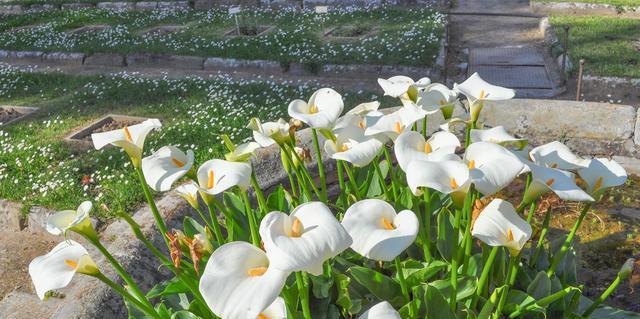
(478,90)
(351,145)
(602,173)
(189,192)
(438,97)
(497,135)
(448,177)
(130,138)
(379,233)
(358,116)
(240,282)
(491,167)
(557,155)
(242,152)
(269,133)
(77,220)
(545,179)
(56,269)
(500,225)
(392,125)
(412,146)
(216,176)
(303,240)
(403,86)
(277,310)
(322,110)
(165,166)
(381,310)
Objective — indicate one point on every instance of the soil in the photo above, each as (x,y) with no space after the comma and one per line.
(15,257)
(349,31)
(8,114)
(110,126)
(248,31)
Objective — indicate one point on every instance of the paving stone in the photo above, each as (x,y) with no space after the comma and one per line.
(64,58)
(10,213)
(165,61)
(105,59)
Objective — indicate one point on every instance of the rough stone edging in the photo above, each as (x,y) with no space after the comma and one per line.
(582,8)
(120,6)
(264,67)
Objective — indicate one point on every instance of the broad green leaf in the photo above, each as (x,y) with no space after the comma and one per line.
(517,299)
(183,314)
(379,285)
(320,286)
(192,227)
(277,200)
(167,287)
(436,305)
(607,312)
(466,287)
(540,287)
(416,276)
(445,235)
(349,306)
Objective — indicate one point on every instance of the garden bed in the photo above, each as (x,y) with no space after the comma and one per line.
(404,37)
(10,114)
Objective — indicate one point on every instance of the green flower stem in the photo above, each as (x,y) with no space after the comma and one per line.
(382,180)
(343,188)
(203,217)
(403,286)
(532,210)
(215,225)
(427,225)
(511,278)
(292,184)
(454,261)
(424,127)
(253,225)
(302,168)
(471,126)
(140,236)
(303,291)
(121,272)
(602,297)
(323,181)
(486,270)
(543,302)
(565,246)
(148,309)
(394,182)
(259,194)
(352,180)
(152,205)
(543,234)
(468,241)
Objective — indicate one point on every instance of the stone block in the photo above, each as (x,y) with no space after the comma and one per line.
(77,6)
(12,9)
(262,66)
(64,58)
(105,59)
(22,56)
(173,5)
(118,6)
(41,8)
(631,164)
(146,60)
(10,213)
(636,134)
(146,5)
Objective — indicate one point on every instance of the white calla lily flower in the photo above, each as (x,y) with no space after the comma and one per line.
(322,110)
(478,90)
(381,310)
(130,138)
(358,116)
(189,192)
(351,145)
(277,310)
(379,233)
(497,135)
(403,86)
(500,225)
(412,146)
(242,152)
(303,240)
(392,125)
(239,281)
(557,155)
(216,176)
(448,177)
(56,269)
(165,166)
(437,97)
(76,220)
(491,166)
(602,173)
(545,179)
(269,133)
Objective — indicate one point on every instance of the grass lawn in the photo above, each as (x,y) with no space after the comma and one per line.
(610,45)
(392,35)
(38,168)
(631,3)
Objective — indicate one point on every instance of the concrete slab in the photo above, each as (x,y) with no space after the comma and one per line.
(517,55)
(514,76)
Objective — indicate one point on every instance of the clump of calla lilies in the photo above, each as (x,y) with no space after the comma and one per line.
(414,224)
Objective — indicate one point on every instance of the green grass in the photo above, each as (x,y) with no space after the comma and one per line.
(404,36)
(631,3)
(610,45)
(38,168)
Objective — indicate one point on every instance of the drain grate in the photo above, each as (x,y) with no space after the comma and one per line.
(515,77)
(524,55)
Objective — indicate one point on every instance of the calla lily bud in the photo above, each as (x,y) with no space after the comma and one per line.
(627,269)
(286,164)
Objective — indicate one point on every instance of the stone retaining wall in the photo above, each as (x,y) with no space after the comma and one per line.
(581,8)
(120,6)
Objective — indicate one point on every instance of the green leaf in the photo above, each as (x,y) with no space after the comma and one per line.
(437,306)
(517,299)
(379,285)
(466,287)
(422,273)
(183,314)
(405,200)
(277,200)
(349,306)
(192,227)
(404,311)
(320,286)
(540,287)
(604,311)
(445,234)
(168,287)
